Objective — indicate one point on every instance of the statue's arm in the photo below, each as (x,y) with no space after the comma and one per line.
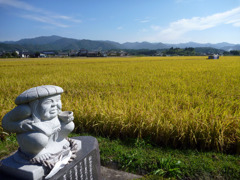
(18,120)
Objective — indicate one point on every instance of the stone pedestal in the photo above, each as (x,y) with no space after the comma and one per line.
(86,166)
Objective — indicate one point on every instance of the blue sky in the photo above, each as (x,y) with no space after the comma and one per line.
(166,21)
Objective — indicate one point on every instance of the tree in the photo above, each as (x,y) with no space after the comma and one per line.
(15,54)
(235,53)
(7,55)
(37,54)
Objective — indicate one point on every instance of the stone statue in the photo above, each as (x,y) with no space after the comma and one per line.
(42,128)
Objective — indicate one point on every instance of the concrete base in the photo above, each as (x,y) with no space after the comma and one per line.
(10,169)
(112,174)
(85,166)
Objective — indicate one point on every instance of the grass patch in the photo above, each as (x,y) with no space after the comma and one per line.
(8,145)
(154,162)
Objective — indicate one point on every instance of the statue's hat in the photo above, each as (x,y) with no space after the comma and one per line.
(37,93)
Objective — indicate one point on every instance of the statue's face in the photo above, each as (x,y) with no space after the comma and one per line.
(49,107)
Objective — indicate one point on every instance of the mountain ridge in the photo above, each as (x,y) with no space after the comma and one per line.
(45,43)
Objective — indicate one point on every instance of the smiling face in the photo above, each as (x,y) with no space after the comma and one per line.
(49,107)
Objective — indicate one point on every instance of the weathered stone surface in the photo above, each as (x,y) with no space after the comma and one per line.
(86,165)
(112,174)
(45,151)
(41,129)
(37,93)
(12,170)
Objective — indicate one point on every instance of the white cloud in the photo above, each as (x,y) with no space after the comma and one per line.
(187,1)
(45,19)
(119,28)
(179,1)
(67,18)
(40,14)
(155,28)
(143,30)
(177,29)
(19,5)
(145,20)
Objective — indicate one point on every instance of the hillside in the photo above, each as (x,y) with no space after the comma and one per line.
(47,43)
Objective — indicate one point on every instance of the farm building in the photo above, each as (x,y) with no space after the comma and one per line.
(49,53)
(214,56)
(73,53)
(24,54)
(82,52)
(42,55)
(62,54)
(93,54)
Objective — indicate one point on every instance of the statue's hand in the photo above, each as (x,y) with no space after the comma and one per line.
(27,125)
(66,116)
(71,118)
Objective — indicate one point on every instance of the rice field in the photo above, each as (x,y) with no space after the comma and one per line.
(182,102)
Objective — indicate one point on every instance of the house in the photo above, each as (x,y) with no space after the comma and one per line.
(113,53)
(24,54)
(49,53)
(73,53)
(63,54)
(103,54)
(93,54)
(82,52)
(42,55)
(123,53)
(2,54)
(17,52)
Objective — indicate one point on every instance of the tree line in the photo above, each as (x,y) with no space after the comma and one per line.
(147,52)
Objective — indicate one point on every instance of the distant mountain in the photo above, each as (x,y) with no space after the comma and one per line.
(229,48)
(208,50)
(50,43)
(195,45)
(144,45)
(38,40)
(68,44)
(221,45)
(189,44)
(10,47)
